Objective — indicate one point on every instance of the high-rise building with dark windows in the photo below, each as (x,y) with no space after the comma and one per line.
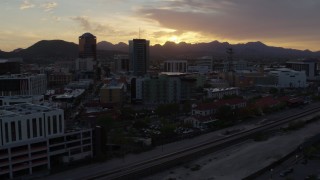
(139,56)
(88,46)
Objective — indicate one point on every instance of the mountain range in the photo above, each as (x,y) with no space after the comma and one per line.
(53,50)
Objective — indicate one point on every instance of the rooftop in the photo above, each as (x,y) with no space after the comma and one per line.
(173,73)
(19,97)
(221,89)
(217,104)
(87,35)
(113,86)
(10,60)
(23,109)
(19,76)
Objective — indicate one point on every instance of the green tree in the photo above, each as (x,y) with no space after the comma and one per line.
(273,90)
(226,113)
(165,110)
(106,122)
(127,113)
(168,129)
(186,108)
(141,123)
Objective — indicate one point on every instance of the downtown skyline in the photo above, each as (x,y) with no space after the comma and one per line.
(287,23)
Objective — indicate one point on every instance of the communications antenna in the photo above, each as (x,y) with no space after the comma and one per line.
(139,33)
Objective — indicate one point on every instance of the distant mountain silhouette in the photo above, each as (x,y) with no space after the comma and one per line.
(250,50)
(105,45)
(52,50)
(45,51)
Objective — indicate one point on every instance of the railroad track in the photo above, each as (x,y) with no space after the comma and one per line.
(150,166)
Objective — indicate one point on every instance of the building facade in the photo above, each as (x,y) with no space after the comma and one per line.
(176,66)
(311,67)
(168,88)
(33,137)
(287,78)
(88,46)
(59,79)
(208,109)
(137,85)
(11,100)
(121,63)
(139,56)
(219,93)
(10,66)
(112,93)
(23,84)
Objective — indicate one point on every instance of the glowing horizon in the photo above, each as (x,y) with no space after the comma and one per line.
(26,22)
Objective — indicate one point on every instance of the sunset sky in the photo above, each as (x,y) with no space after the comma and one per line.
(286,23)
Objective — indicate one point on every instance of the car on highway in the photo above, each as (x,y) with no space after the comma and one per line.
(286,172)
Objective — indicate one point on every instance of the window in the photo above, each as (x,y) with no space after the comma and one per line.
(19,129)
(60,123)
(6,129)
(55,125)
(49,125)
(13,131)
(28,128)
(34,127)
(40,126)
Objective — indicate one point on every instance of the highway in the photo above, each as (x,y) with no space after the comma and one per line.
(170,158)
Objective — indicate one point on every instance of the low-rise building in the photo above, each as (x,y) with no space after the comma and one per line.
(199,121)
(112,93)
(59,79)
(208,109)
(219,93)
(23,84)
(11,100)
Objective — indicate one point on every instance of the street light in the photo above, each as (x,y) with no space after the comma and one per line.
(271,175)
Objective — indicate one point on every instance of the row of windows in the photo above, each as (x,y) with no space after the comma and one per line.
(34,128)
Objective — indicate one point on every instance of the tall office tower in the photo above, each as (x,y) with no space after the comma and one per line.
(88,46)
(139,56)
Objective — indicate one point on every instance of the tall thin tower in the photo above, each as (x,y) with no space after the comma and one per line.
(139,56)
(230,59)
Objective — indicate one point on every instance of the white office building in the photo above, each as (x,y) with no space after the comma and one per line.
(311,67)
(287,78)
(175,66)
(33,137)
(23,122)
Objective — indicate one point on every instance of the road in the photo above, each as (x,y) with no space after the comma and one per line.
(131,159)
(301,169)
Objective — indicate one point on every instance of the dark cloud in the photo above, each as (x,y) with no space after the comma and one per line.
(99,29)
(241,20)
(93,27)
